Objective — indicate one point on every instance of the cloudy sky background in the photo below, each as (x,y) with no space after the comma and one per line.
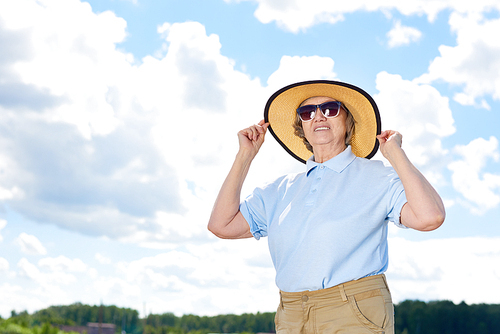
(118,124)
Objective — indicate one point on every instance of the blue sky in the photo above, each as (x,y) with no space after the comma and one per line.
(118,124)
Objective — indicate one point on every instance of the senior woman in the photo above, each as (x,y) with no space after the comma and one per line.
(327,226)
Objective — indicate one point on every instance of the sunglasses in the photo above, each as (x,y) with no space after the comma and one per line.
(329,109)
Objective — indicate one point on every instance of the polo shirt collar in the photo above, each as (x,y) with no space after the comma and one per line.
(338,163)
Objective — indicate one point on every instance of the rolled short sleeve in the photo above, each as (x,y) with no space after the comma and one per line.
(397,199)
(253,210)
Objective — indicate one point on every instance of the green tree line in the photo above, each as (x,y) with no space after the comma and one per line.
(445,317)
(77,314)
(411,317)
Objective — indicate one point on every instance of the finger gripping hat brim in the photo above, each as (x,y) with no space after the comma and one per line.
(280,112)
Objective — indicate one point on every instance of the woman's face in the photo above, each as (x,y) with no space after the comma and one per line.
(322,131)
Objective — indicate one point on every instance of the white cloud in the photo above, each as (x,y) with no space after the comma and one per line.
(30,244)
(421,115)
(295,16)
(28,270)
(118,289)
(461,269)
(401,35)
(75,56)
(10,193)
(4,265)
(3,223)
(102,160)
(12,293)
(102,259)
(301,14)
(295,69)
(220,277)
(200,265)
(62,264)
(50,273)
(473,63)
(38,289)
(135,2)
(480,188)
(53,281)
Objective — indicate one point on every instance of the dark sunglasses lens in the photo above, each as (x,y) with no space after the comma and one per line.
(306,113)
(330,109)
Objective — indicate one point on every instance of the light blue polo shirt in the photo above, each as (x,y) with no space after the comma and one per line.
(327,225)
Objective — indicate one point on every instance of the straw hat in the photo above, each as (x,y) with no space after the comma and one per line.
(281,107)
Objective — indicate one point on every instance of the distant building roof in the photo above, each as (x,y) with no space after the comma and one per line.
(96,324)
(79,329)
(97,328)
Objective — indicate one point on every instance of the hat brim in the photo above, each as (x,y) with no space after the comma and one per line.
(280,113)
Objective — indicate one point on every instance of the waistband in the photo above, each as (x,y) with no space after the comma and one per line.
(338,292)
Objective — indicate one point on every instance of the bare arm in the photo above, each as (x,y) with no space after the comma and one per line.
(226,220)
(424,210)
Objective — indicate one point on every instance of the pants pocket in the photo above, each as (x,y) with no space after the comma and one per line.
(287,322)
(371,309)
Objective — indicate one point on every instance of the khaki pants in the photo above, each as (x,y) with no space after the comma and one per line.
(361,306)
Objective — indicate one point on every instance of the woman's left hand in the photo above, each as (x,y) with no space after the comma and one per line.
(389,140)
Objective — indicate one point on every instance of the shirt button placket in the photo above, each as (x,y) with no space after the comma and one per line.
(315,184)
(317,181)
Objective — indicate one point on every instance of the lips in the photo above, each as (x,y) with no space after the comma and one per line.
(321,128)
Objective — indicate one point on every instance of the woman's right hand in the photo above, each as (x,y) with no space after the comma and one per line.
(252,138)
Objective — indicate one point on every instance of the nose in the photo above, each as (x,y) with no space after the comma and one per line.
(318,115)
